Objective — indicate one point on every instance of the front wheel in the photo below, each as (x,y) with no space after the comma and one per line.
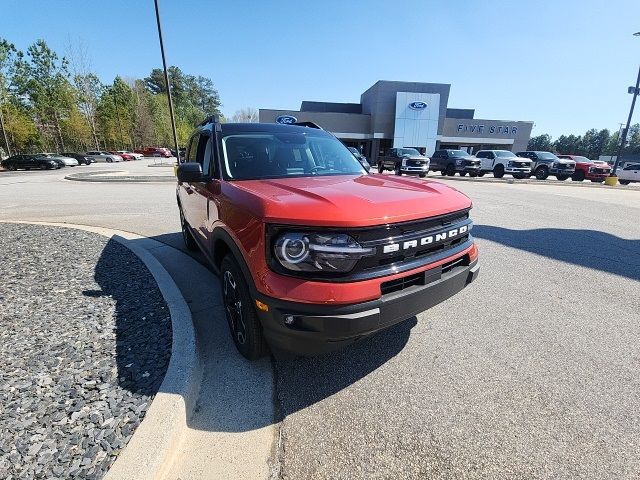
(562,178)
(109,160)
(624,182)
(481,174)
(498,171)
(13,168)
(398,170)
(578,176)
(462,174)
(243,321)
(380,168)
(542,173)
(473,174)
(450,171)
(422,175)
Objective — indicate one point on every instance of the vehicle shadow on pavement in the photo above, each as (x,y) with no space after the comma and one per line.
(304,381)
(586,248)
(142,320)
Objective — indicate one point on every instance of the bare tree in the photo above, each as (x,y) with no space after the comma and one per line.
(245,115)
(88,85)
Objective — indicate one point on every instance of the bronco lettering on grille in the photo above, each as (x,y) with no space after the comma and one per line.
(428,240)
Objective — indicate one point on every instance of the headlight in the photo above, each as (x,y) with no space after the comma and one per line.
(510,164)
(459,162)
(404,162)
(313,252)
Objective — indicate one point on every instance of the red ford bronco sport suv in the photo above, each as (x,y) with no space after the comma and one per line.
(314,252)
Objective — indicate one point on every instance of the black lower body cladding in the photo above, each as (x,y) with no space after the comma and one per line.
(304,329)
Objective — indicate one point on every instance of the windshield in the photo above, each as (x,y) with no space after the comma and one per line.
(504,154)
(581,159)
(459,154)
(408,151)
(281,155)
(546,156)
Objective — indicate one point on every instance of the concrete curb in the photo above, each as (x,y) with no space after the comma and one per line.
(149,453)
(106,177)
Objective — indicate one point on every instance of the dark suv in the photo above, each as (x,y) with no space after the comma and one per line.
(284,214)
(546,163)
(451,161)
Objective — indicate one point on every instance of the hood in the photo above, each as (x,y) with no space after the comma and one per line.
(565,161)
(346,201)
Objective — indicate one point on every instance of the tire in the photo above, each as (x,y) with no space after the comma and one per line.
(187,236)
(450,171)
(481,174)
(109,160)
(520,176)
(398,171)
(422,175)
(541,173)
(44,166)
(562,178)
(624,182)
(578,176)
(13,168)
(498,171)
(380,168)
(462,174)
(473,174)
(244,324)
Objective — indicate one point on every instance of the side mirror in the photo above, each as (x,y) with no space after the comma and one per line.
(189,172)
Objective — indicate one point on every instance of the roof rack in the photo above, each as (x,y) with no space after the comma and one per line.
(209,119)
(307,124)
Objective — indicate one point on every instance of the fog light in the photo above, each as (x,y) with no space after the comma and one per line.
(288,320)
(262,306)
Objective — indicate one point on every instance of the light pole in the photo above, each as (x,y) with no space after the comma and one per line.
(623,140)
(166,79)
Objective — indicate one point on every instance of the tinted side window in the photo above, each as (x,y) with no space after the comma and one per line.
(203,151)
(192,154)
(481,155)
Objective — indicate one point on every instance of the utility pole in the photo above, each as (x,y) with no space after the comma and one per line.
(166,79)
(4,131)
(626,130)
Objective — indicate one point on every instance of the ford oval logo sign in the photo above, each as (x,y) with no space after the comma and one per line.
(286,119)
(417,105)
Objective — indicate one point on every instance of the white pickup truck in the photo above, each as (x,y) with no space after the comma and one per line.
(500,162)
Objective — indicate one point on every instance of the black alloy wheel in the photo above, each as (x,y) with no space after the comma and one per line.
(244,324)
(542,173)
(450,171)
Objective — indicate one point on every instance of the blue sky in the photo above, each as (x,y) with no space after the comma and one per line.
(566,65)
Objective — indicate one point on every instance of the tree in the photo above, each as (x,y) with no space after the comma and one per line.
(594,142)
(43,81)
(541,142)
(568,145)
(245,115)
(7,58)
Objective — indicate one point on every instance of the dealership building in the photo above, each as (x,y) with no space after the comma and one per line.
(406,114)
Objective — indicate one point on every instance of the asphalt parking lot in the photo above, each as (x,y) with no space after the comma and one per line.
(531,372)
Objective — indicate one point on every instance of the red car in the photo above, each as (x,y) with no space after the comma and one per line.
(127,157)
(313,251)
(155,152)
(593,170)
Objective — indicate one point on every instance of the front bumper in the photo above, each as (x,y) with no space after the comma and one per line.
(596,176)
(313,329)
(424,169)
(562,171)
(524,170)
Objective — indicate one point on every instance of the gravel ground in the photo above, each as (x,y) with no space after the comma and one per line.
(85,341)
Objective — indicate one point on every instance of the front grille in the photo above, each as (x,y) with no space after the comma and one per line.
(423,278)
(564,166)
(520,164)
(472,163)
(600,170)
(398,246)
(416,163)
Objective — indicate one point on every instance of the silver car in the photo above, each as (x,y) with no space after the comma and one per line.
(68,161)
(104,156)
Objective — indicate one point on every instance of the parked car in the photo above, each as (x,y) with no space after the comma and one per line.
(500,162)
(108,157)
(136,156)
(284,214)
(450,161)
(82,159)
(61,159)
(630,173)
(28,162)
(179,154)
(546,163)
(404,160)
(593,170)
(361,158)
(155,152)
(126,157)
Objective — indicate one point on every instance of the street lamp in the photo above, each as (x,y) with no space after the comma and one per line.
(166,79)
(613,179)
